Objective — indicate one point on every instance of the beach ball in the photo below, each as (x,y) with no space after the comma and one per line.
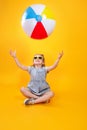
(38,21)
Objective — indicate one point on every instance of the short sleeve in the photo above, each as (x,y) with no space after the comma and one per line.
(46,69)
(29,69)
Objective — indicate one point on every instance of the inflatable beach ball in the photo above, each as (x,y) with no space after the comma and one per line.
(38,21)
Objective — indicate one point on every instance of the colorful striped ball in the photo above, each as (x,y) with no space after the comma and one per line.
(38,21)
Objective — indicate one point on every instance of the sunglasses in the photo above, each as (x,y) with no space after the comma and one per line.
(38,57)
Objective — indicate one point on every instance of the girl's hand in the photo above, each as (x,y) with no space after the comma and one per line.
(60,55)
(13,53)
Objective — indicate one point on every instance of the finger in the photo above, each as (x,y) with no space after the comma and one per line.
(15,51)
(10,52)
(62,52)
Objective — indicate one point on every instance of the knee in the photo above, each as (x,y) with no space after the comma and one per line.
(51,94)
(22,89)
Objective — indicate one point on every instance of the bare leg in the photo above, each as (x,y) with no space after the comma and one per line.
(44,98)
(27,93)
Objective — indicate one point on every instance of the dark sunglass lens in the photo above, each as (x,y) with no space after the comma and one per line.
(35,57)
(40,57)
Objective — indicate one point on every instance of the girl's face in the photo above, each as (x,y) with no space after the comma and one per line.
(38,60)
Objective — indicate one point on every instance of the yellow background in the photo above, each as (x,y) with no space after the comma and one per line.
(67,110)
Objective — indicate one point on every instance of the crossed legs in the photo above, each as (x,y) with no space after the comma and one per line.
(38,99)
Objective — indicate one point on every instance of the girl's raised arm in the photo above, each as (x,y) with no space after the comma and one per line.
(13,54)
(56,62)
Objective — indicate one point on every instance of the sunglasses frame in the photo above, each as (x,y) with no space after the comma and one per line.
(38,57)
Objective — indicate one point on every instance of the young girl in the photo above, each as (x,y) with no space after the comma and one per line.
(38,90)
